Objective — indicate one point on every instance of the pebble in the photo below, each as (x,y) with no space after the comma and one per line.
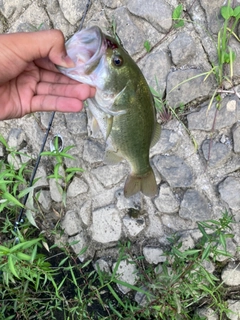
(150,66)
(179,56)
(157,12)
(231,274)
(234,306)
(191,87)
(15,138)
(76,187)
(44,199)
(153,255)
(174,170)
(236,140)
(70,223)
(106,225)
(229,190)
(56,190)
(41,177)
(14,161)
(101,215)
(208,313)
(166,202)
(102,265)
(126,272)
(194,206)
(93,152)
(215,153)
(72,10)
(134,226)
(79,244)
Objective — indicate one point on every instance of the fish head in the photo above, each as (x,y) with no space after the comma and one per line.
(100,61)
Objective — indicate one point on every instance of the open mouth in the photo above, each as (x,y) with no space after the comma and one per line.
(86,48)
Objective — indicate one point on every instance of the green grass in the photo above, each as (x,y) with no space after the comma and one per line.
(38,284)
(39,280)
(222,69)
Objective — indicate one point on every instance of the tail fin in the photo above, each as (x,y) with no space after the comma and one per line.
(146,184)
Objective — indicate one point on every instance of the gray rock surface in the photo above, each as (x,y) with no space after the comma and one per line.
(196,167)
(166,201)
(45,200)
(106,225)
(133,226)
(93,152)
(153,255)
(76,187)
(72,10)
(231,274)
(229,190)
(182,49)
(102,265)
(157,12)
(208,313)
(216,153)
(31,19)
(16,138)
(76,123)
(157,64)
(131,36)
(56,190)
(225,117)
(70,223)
(174,170)
(236,140)
(14,161)
(41,177)
(234,306)
(194,206)
(187,85)
(126,272)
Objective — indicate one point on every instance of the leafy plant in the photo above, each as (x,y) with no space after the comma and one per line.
(35,286)
(176,16)
(62,176)
(12,181)
(147,46)
(182,282)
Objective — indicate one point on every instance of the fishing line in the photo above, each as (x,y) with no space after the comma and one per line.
(21,213)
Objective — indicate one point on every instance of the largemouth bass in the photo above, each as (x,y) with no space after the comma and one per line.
(123,106)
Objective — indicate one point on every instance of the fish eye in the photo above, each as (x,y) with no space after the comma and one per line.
(117,61)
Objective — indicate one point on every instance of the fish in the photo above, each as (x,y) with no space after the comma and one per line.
(123,107)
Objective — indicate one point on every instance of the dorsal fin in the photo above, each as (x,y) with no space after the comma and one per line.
(156,134)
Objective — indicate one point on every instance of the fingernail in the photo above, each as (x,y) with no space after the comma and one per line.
(67,62)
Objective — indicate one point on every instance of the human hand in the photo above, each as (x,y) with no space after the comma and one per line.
(29,80)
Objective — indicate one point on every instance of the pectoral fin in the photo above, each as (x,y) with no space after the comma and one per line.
(109,126)
(112,113)
(112,157)
(94,127)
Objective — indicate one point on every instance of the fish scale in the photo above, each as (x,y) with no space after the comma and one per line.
(123,105)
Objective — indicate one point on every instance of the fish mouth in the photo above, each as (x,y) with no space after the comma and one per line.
(86,48)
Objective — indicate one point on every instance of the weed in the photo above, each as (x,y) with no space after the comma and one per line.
(147,46)
(177,17)
(12,181)
(62,176)
(35,286)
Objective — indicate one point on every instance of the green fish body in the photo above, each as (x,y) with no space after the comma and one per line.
(123,106)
